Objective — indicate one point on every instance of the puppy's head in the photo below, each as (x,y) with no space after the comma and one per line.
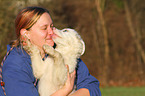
(69,38)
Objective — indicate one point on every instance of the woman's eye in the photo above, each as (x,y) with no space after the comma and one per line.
(65,30)
(44,28)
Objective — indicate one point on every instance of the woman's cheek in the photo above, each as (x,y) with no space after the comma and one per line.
(44,35)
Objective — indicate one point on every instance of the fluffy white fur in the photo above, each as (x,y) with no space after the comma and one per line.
(52,72)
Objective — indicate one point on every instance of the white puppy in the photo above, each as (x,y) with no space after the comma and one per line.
(52,72)
(70,45)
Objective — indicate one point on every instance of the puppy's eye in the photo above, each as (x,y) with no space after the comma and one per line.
(65,30)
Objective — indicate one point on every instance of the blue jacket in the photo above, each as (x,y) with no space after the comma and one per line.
(19,79)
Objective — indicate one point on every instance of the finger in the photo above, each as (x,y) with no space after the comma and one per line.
(73,75)
(68,75)
(74,72)
(24,44)
(67,68)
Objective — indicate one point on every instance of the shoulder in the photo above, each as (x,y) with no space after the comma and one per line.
(86,80)
(81,66)
(17,65)
(16,59)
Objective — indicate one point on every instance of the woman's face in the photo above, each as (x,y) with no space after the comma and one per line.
(42,31)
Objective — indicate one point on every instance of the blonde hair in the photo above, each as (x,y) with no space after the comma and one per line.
(26,18)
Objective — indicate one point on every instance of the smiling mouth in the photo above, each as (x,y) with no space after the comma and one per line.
(49,38)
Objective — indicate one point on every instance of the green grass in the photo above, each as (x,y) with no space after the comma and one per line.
(123,91)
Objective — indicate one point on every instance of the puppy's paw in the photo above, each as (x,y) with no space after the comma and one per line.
(34,49)
(49,49)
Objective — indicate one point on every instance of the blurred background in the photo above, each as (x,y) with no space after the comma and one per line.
(113,30)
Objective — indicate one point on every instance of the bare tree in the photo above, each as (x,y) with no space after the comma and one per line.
(132,31)
(106,45)
(136,37)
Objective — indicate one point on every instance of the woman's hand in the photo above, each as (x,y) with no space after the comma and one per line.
(68,87)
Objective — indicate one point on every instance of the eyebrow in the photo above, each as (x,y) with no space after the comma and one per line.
(46,25)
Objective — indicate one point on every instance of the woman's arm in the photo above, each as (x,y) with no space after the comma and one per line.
(86,81)
(68,87)
(18,82)
(87,85)
(81,92)
(18,76)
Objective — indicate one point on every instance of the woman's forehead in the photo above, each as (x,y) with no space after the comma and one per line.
(44,20)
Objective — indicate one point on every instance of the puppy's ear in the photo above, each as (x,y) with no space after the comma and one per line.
(83,47)
(24,32)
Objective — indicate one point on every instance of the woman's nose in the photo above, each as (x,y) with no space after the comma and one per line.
(50,31)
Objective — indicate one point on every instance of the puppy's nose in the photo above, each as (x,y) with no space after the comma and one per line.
(54,28)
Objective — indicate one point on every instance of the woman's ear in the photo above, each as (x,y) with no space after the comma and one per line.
(25,32)
(83,50)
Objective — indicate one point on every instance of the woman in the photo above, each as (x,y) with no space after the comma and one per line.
(36,24)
